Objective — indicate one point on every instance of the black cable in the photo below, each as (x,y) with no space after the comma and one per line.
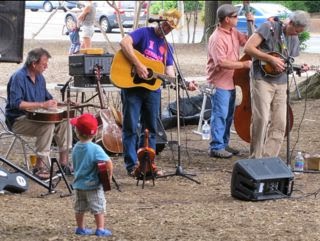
(303,115)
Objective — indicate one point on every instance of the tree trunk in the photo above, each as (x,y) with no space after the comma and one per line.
(210,22)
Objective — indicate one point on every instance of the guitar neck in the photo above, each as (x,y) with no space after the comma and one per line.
(164,77)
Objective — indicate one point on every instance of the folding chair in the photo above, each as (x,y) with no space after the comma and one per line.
(7,134)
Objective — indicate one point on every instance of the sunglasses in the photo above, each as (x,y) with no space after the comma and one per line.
(233,16)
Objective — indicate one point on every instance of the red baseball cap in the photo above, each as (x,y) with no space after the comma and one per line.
(86,124)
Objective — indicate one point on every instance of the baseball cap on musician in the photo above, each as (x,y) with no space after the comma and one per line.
(226,10)
(86,124)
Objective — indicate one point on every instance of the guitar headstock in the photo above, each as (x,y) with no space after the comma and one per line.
(97,71)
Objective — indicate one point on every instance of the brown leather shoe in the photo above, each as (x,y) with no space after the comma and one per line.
(220,153)
(232,150)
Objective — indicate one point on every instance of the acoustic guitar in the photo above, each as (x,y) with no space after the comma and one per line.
(123,73)
(269,69)
(103,175)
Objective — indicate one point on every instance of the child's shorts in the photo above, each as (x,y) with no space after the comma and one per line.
(90,200)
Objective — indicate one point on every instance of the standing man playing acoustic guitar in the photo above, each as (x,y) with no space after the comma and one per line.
(268,97)
(26,89)
(140,104)
(223,58)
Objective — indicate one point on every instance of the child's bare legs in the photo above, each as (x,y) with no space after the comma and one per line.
(99,220)
(81,229)
(101,231)
(80,220)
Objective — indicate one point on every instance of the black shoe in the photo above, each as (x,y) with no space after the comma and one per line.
(66,170)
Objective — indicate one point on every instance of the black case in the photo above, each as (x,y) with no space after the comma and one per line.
(90,81)
(83,64)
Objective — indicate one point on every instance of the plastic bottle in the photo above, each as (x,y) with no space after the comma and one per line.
(206,131)
(299,162)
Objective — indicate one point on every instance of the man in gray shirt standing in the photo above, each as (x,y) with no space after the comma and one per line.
(269,85)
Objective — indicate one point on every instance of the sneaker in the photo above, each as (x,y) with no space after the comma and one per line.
(220,153)
(83,231)
(232,150)
(103,233)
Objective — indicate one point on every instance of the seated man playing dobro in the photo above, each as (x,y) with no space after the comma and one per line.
(26,89)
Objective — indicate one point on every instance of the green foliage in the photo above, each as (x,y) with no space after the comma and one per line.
(303,37)
(156,6)
(189,6)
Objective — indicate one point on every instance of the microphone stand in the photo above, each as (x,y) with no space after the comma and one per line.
(179,80)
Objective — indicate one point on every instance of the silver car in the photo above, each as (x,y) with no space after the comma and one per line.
(106,15)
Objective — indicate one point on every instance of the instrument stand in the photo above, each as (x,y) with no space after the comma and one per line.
(208,92)
(179,81)
(52,177)
(144,170)
(289,70)
(42,183)
(179,170)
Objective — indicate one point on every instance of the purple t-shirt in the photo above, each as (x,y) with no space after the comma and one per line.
(150,45)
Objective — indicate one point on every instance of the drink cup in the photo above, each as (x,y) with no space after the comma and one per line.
(33,160)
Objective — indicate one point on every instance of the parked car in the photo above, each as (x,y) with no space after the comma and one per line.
(106,15)
(261,11)
(48,6)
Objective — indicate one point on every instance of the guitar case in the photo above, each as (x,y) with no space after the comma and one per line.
(190,109)
(13,182)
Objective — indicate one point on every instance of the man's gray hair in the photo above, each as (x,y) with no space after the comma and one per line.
(34,55)
(300,18)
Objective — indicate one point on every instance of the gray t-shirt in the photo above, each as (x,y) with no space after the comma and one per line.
(90,17)
(271,33)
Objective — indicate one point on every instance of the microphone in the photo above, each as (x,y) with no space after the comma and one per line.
(156,20)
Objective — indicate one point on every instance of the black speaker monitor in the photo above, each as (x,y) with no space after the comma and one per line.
(11,31)
(261,179)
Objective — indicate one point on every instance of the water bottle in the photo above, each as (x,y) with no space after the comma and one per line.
(206,131)
(299,162)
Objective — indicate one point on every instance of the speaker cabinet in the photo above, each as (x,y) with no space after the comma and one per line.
(11,31)
(261,179)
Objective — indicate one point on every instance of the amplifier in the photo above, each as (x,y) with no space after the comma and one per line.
(89,81)
(261,179)
(83,64)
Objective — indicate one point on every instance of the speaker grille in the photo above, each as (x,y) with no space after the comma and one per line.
(11,31)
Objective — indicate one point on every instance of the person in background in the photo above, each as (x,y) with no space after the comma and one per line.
(86,20)
(26,89)
(141,104)
(89,194)
(268,93)
(223,58)
(74,39)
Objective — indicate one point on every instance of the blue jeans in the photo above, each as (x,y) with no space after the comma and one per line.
(223,104)
(140,105)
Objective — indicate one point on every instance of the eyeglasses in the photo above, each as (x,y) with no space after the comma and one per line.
(233,16)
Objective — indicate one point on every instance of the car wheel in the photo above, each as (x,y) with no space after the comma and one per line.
(70,21)
(105,25)
(47,6)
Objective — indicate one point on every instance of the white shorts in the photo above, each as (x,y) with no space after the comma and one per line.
(87,31)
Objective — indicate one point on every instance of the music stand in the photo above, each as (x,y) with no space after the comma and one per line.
(179,81)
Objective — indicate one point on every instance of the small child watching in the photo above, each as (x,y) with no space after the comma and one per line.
(89,194)
(74,39)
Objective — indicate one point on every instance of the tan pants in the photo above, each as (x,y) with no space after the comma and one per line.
(44,133)
(268,123)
